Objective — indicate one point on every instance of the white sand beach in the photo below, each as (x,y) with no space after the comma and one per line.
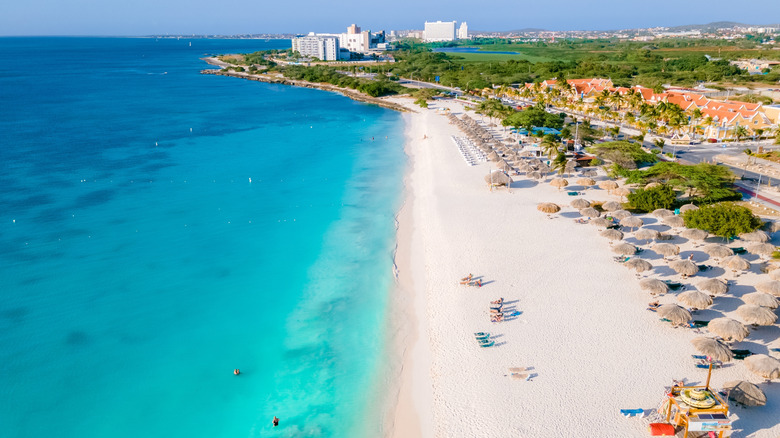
(583,331)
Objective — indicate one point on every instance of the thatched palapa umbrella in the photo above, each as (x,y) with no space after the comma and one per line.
(756,315)
(717,251)
(694,234)
(729,329)
(589,212)
(688,207)
(612,234)
(620,214)
(548,207)
(762,299)
(601,222)
(770,287)
(503,165)
(646,234)
(559,183)
(666,249)
(622,192)
(662,213)
(774,274)
(624,249)
(608,185)
(755,236)
(632,222)
(639,265)
(713,286)
(762,365)
(580,203)
(653,285)
(684,267)
(695,299)
(745,393)
(611,206)
(762,249)
(498,178)
(713,348)
(674,313)
(493,156)
(674,221)
(586,182)
(649,186)
(736,263)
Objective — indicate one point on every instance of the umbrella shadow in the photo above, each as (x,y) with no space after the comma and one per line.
(759,418)
(649,254)
(499,344)
(749,344)
(738,290)
(523,184)
(570,215)
(765,334)
(725,304)
(713,272)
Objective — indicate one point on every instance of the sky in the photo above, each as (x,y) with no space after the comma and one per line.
(230,17)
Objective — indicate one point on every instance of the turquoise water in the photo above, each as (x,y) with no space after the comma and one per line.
(139,265)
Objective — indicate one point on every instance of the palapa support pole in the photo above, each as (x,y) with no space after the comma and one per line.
(709,375)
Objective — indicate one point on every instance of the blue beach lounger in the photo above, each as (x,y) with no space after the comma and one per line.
(632,413)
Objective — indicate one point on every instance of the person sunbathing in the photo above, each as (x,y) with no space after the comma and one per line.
(497,318)
(498,301)
(654,304)
(467,279)
(495,310)
(477,283)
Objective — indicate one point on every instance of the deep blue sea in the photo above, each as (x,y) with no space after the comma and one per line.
(159,228)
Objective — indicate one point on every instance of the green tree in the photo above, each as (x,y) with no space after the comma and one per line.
(559,163)
(549,145)
(723,219)
(660,143)
(740,132)
(651,199)
(707,183)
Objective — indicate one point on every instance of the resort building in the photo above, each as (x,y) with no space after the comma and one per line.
(439,31)
(324,47)
(463,31)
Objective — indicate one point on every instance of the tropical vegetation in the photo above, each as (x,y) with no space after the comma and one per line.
(724,219)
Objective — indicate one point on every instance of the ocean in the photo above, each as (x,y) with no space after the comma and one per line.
(160,228)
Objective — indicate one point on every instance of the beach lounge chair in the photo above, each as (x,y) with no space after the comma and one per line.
(674,286)
(698,324)
(621,259)
(498,301)
(775,349)
(741,354)
(739,250)
(704,268)
(705,365)
(481,335)
(487,344)
(518,369)
(632,413)
(521,376)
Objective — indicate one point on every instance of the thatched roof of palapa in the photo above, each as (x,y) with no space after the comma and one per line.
(674,221)
(755,236)
(548,207)
(589,212)
(717,251)
(503,165)
(688,207)
(736,263)
(586,181)
(624,249)
(713,286)
(580,203)
(729,329)
(646,234)
(762,249)
(493,156)
(694,234)
(654,285)
(612,234)
(662,213)
(608,185)
(649,186)
(756,315)
(638,265)
(601,222)
(674,313)
(695,299)
(770,287)
(620,214)
(774,274)
(762,299)
(713,348)
(666,249)
(611,206)
(762,365)
(621,191)
(684,267)
(745,393)
(559,182)
(632,222)
(498,178)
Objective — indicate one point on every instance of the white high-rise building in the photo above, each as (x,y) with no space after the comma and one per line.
(463,31)
(324,47)
(439,31)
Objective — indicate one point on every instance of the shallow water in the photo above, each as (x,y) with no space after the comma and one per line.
(140,265)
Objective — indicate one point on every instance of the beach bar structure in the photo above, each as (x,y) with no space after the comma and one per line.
(697,409)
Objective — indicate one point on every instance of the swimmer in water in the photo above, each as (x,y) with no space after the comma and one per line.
(276,421)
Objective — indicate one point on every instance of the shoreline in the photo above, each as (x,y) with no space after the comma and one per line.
(281,80)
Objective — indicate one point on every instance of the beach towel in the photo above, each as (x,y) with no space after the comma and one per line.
(632,412)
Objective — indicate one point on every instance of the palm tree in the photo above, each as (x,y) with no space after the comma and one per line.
(660,143)
(549,145)
(740,132)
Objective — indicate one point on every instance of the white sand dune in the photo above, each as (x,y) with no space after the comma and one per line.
(584,330)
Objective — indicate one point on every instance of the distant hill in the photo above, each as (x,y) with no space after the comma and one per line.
(716,25)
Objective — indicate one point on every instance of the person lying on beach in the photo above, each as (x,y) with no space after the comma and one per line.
(654,304)
(495,310)
(497,318)
(498,301)
(477,283)
(465,280)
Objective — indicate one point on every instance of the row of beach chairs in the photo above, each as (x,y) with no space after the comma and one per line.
(471,154)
